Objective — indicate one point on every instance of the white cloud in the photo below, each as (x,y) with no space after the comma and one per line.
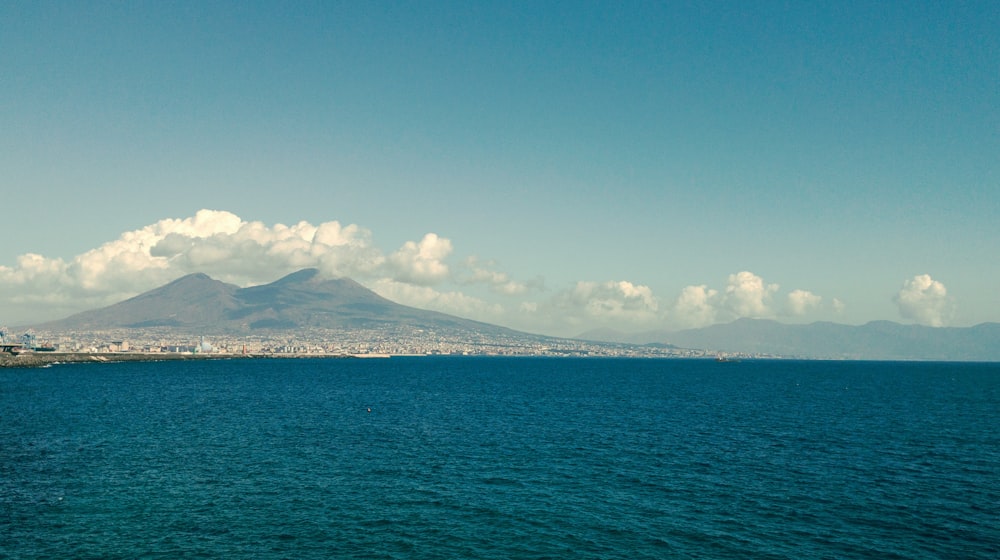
(230,249)
(422,263)
(615,303)
(696,307)
(425,297)
(217,243)
(925,301)
(253,252)
(498,282)
(838,306)
(801,302)
(747,295)
(586,305)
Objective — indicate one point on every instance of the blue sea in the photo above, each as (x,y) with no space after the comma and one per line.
(461,457)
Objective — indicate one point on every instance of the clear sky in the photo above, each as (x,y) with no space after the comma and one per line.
(549,166)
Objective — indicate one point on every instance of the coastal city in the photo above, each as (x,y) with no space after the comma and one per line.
(398,340)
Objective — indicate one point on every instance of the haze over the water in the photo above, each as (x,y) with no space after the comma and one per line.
(554,167)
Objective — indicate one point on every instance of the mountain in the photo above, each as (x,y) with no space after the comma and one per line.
(878,340)
(306,299)
(301,299)
(194,299)
(604,334)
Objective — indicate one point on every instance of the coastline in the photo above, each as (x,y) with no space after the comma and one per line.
(43,359)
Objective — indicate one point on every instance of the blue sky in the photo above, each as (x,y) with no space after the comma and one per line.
(551,166)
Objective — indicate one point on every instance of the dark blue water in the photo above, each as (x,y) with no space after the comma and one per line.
(500,458)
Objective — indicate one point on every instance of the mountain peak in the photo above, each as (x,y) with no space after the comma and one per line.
(304,275)
(192,285)
(193,277)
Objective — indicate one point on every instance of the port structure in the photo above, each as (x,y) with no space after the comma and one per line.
(7,346)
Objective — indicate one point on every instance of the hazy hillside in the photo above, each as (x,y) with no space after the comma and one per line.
(878,340)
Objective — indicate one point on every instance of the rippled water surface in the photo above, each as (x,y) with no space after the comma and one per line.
(500,458)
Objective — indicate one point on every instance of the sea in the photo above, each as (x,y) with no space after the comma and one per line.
(494,457)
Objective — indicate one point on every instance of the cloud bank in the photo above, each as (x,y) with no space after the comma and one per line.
(626,306)
(423,273)
(217,243)
(746,295)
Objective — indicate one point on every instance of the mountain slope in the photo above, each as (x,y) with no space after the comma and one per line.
(194,299)
(306,299)
(301,299)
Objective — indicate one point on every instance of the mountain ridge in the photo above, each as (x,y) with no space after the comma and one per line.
(875,340)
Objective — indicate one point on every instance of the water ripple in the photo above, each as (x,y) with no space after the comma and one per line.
(500,458)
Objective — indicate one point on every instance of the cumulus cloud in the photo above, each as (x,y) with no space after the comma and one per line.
(629,306)
(217,243)
(111,272)
(584,305)
(247,252)
(801,302)
(422,263)
(696,307)
(615,303)
(745,295)
(748,296)
(925,301)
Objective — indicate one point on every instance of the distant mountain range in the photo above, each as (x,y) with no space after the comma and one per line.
(878,340)
(300,300)
(306,299)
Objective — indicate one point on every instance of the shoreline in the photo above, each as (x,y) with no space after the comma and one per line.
(44,359)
